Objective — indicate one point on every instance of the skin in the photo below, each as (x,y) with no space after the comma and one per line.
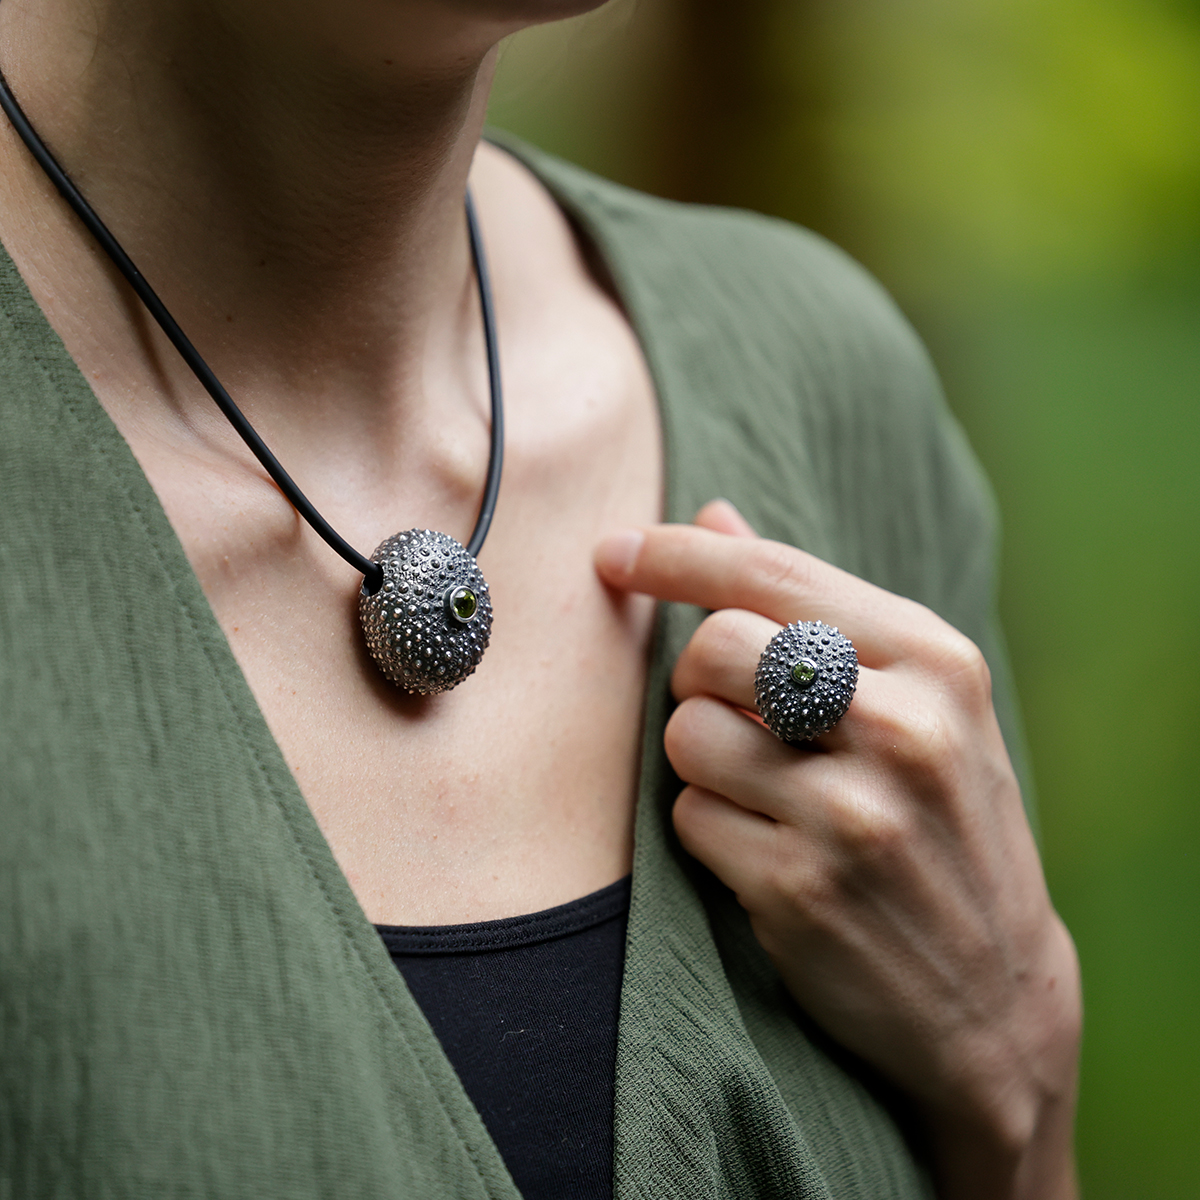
(290,178)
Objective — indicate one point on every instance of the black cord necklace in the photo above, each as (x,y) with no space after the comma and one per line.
(424,605)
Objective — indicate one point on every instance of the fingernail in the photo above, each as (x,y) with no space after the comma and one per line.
(617,553)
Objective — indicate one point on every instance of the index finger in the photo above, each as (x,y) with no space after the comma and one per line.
(714,570)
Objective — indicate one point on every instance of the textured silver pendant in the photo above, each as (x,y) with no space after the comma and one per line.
(428,625)
(805,680)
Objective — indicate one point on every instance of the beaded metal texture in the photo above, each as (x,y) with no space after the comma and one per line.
(805,680)
(428,625)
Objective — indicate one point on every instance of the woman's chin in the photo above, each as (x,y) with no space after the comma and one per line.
(526,12)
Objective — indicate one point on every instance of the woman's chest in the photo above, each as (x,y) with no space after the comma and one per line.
(511,793)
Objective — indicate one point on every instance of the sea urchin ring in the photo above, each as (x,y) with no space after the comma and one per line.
(805,680)
(428,624)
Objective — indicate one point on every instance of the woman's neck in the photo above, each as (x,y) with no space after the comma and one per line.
(289,177)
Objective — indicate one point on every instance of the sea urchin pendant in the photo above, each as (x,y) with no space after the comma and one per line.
(805,680)
(428,624)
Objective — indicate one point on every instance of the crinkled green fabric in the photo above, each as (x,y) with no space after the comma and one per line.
(192,1003)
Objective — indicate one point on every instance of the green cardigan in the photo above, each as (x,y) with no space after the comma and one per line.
(193,1004)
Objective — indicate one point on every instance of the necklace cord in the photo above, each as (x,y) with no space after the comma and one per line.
(372,572)
(487,308)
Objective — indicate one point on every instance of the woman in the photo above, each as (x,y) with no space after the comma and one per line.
(210,789)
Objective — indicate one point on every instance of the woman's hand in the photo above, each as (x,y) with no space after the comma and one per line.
(888,869)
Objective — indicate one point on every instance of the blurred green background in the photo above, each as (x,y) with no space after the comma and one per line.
(1025,177)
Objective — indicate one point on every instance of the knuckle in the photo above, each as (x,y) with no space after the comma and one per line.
(920,744)
(947,654)
(681,738)
(804,896)
(868,829)
(929,744)
(686,816)
(715,658)
(909,734)
(792,873)
(960,664)
(675,735)
(713,642)
(777,867)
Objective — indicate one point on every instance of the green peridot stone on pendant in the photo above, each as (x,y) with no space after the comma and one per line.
(463,604)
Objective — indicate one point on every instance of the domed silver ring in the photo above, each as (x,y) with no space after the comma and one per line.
(805,680)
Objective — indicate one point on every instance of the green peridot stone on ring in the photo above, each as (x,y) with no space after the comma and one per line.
(803,673)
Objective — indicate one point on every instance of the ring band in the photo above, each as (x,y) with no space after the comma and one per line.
(805,680)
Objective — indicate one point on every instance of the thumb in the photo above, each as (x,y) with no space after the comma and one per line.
(721,517)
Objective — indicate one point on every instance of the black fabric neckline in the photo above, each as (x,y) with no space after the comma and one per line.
(508,932)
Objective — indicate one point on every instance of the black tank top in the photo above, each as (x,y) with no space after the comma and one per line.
(526,1010)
